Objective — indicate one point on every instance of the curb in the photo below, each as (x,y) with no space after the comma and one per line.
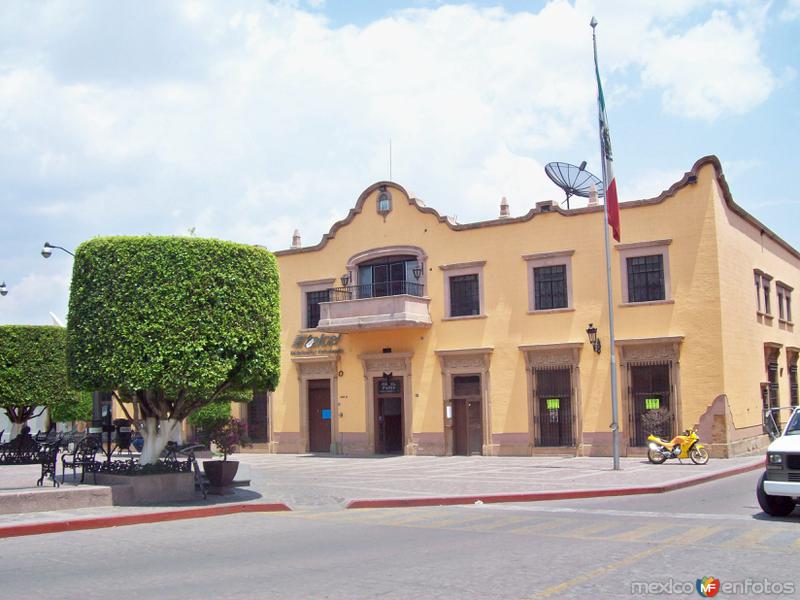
(553,495)
(7,531)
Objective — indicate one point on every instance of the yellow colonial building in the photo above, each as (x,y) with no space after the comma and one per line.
(406,332)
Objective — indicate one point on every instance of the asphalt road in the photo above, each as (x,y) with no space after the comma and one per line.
(601,548)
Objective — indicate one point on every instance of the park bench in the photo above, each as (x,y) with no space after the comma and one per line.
(82,456)
(171,455)
(48,457)
(22,450)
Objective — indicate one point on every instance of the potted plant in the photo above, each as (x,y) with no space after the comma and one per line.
(228,436)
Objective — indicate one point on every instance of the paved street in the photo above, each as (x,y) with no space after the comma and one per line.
(569,549)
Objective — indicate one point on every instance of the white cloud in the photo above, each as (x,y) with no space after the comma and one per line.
(791,11)
(247,119)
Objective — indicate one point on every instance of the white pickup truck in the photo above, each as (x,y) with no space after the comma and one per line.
(779,486)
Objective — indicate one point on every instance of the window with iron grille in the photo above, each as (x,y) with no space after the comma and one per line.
(793,396)
(550,287)
(645,278)
(312,306)
(464,295)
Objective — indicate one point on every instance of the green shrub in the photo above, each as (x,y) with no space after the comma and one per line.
(173,323)
(33,373)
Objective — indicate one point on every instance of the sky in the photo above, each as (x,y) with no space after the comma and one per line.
(248,119)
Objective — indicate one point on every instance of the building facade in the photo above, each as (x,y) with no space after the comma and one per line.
(405,332)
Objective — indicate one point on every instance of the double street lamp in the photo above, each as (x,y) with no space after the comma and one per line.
(3,289)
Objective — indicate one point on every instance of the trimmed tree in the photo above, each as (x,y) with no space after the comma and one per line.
(172,324)
(33,373)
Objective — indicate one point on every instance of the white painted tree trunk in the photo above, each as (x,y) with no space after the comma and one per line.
(15,429)
(156,434)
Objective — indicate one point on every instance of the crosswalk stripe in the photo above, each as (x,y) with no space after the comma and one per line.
(640,532)
(497,524)
(585,531)
(751,538)
(537,527)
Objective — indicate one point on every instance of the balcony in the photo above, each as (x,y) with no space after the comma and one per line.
(375,306)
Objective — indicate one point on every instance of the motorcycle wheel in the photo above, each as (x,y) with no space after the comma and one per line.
(699,456)
(655,457)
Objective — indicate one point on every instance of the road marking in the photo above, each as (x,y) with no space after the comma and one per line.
(584,531)
(621,513)
(750,539)
(693,535)
(498,524)
(537,527)
(639,532)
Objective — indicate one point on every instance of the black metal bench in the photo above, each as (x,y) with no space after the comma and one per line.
(84,457)
(22,450)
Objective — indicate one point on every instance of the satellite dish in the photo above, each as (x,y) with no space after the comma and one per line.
(575,181)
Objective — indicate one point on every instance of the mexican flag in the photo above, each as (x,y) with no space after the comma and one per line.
(612,202)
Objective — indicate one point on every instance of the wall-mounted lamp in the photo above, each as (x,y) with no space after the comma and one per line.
(345,279)
(591,331)
(417,271)
(47,250)
(3,289)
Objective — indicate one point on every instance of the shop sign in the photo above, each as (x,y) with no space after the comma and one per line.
(309,344)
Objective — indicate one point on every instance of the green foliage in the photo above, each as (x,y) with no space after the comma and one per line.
(178,317)
(78,410)
(208,416)
(33,371)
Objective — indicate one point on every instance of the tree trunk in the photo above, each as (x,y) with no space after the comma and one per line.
(156,434)
(15,429)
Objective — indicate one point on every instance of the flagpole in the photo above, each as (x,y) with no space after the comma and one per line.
(613,349)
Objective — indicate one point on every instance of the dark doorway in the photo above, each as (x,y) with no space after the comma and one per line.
(257,419)
(319,415)
(554,415)
(388,415)
(650,403)
(467,419)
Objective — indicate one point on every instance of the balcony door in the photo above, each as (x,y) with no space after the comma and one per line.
(388,277)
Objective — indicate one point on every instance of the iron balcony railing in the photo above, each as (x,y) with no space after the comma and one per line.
(375,290)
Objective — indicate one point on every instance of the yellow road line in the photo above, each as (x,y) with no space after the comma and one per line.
(584,532)
(639,532)
(538,527)
(499,523)
(693,535)
(751,538)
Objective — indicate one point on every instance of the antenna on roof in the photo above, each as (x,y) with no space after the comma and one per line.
(575,181)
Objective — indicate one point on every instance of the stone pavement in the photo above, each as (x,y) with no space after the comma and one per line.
(318,482)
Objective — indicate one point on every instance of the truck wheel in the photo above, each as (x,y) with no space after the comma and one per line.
(775,506)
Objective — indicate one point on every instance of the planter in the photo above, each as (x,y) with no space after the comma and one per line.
(220,473)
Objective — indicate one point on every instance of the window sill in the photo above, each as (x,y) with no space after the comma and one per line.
(464,318)
(767,317)
(546,311)
(648,303)
(785,322)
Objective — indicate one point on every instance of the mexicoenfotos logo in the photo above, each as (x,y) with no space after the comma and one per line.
(708,587)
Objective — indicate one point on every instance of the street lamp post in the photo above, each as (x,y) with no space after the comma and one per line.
(47,250)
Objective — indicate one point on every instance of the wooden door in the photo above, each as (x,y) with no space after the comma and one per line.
(467,415)
(319,415)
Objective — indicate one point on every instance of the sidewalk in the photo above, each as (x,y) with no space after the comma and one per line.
(309,482)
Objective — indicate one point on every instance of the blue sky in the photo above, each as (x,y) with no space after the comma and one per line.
(247,119)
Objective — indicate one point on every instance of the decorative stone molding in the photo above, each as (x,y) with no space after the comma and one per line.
(552,354)
(664,349)
(465,358)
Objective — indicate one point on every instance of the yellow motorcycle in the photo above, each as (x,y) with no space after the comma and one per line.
(686,445)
